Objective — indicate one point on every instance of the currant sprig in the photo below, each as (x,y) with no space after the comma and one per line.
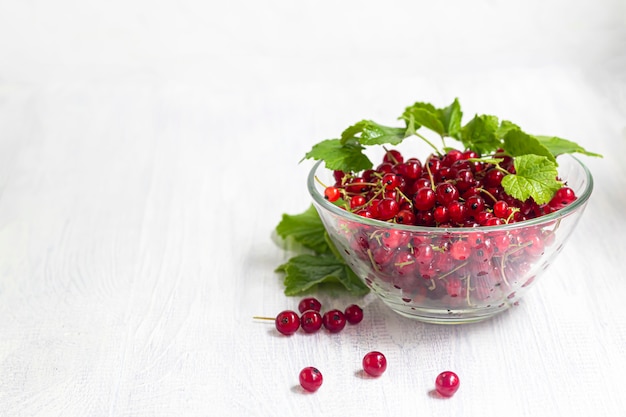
(535,155)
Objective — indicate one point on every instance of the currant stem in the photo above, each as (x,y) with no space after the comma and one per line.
(453,270)
(428,142)
(407,199)
(263,318)
(320,182)
(430,176)
(495,200)
(390,155)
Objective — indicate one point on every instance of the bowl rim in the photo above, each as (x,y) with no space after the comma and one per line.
(559,214)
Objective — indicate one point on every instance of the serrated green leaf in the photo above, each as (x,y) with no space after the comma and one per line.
(368,133)
(479,134)
(517,143)
(303,272)
(306,229)
(423,114)
(558,146)
(451,119)
(340,156)
(535,176)
(504,128)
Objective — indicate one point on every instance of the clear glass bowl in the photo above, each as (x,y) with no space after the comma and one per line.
(432,286)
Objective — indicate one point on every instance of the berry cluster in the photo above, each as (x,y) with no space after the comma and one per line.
(311,319)
(457,189)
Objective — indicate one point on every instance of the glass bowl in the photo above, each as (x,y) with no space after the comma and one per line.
(412,270)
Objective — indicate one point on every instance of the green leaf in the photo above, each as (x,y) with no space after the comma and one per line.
(504,128)
(306,229)
(368,132)
(535,176)
(340,156)
(451,119)
(517,143)
(423,114)
(558,146)
(304,272)
(479,134)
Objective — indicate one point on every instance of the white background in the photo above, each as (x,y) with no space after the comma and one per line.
(148,149)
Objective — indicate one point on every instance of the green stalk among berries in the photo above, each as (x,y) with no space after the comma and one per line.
(534,176)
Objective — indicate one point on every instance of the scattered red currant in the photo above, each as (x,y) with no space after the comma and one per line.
(309,303)
(374,363)
(311,321)
(447,383)
(334,320)
(287,322)
(311,379)
(354,314)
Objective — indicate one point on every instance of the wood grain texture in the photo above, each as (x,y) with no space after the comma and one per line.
(147,150)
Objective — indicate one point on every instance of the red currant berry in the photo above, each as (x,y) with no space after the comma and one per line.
(393,157)
(493,177)
(424,199)
(356,201)
(391,181)
(339,176)
(447,383)
(388,208)
(460,250)
(405,217)
(474,205)
(446,193)
(354,314)
(311,321)
(334,321)
(374,363)
(441,214)
(501,209)
(287,322)
(309,303)
(457,212)
(410,169)
(311,379)
(563,197)
(332,194)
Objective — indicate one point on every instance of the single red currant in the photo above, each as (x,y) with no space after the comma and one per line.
(393,156)
(474,205)
(311,321)
(311,379)
(563,197)
(332,194)
(424,199)
(374,363)
(287,322)
(334,321)
(501,209)
(391,181)
(388,208)
(460,250)
(309,303)
(405,217)
(354,314)
(447,383)
(446,193)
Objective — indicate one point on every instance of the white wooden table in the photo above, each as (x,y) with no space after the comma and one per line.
(148,149)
